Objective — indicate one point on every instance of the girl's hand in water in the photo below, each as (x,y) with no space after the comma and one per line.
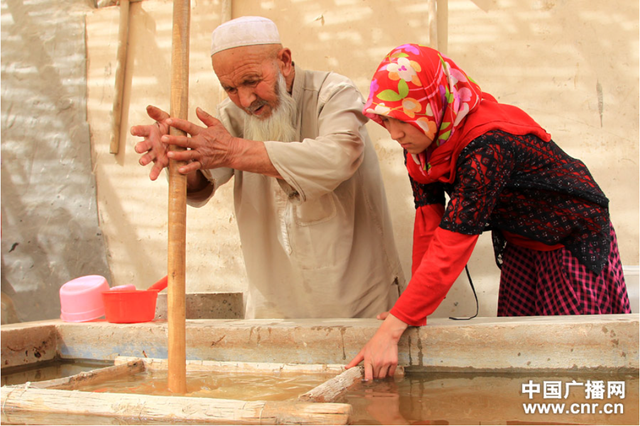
(380,354)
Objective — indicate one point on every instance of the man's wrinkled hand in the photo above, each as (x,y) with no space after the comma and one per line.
(207,147)
(151,146)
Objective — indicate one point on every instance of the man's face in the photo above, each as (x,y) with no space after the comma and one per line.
(249,76)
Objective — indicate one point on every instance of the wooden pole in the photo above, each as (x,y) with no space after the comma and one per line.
(176,309)
(433,24)
(89,378)
(333,389)
(226,14)
(443,25)
(226,10)
(121,64)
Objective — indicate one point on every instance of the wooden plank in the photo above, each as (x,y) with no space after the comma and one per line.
(29,405)
(156,364)
(333,390)
(87,378)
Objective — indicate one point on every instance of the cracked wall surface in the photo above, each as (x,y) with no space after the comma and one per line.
(50,229)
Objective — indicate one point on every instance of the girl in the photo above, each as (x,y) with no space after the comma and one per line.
(552,236)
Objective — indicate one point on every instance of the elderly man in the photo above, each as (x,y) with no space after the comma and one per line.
(309,199)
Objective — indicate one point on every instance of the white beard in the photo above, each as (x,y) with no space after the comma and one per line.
(280,125)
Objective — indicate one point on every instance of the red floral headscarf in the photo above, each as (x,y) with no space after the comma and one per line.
(418,85)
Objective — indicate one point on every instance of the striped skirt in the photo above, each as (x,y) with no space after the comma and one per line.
(554,283)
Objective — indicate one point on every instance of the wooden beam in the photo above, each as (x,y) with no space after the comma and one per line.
(226,10)
(21,405)
(432,17)
(88,378)
(121,66)
(333,389)
(157,364)
(176,305)
(443,25)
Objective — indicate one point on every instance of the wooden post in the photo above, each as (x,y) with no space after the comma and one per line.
(121,64)
(443,25)
(176,309)
(226,10)
(226,14)
(432,24)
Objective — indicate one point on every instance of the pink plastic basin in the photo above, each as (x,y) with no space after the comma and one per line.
(81,298)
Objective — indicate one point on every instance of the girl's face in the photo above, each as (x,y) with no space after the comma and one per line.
(408,136)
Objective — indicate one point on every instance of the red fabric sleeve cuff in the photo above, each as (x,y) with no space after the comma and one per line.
(397,312)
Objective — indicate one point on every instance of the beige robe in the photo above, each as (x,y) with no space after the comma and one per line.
(318,244)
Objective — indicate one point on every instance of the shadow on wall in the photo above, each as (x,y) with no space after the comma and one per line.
(125,214)
(50,231)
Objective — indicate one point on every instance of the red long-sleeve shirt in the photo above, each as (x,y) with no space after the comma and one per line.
(530,192)
(439,256)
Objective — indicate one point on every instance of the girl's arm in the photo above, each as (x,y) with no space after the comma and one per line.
(441,264)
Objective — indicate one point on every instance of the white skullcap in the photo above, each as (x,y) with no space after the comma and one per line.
(244,31)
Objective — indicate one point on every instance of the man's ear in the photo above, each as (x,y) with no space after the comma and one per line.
(286,62)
